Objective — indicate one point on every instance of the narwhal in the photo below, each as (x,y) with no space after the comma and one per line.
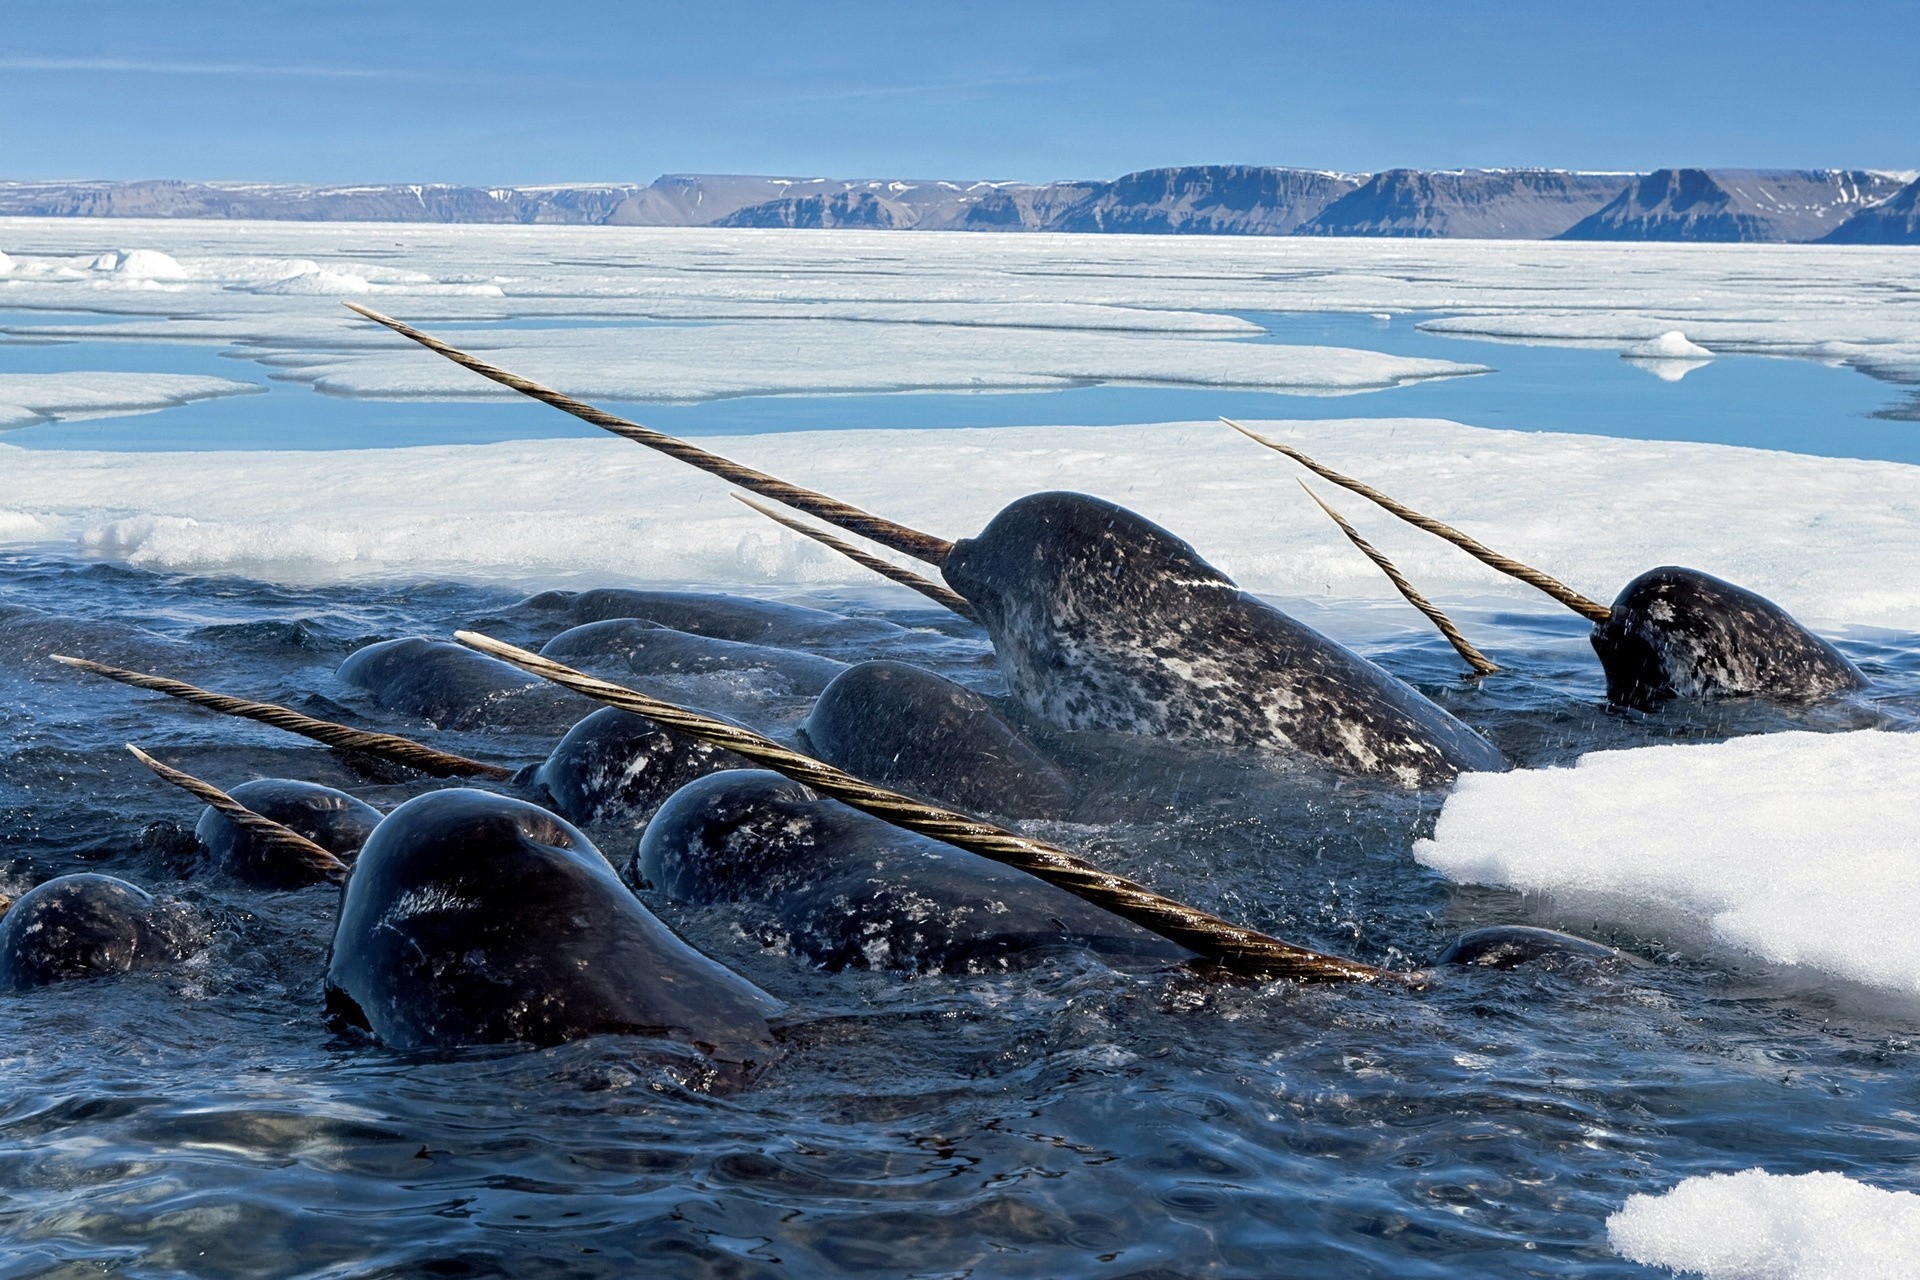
(1102,620)
(1672,633)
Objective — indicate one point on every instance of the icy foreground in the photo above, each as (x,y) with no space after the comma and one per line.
(1762,1226)
(1835,541)
(896,313)
(1796,848)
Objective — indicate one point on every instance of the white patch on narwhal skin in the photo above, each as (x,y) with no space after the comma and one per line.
(1100,653)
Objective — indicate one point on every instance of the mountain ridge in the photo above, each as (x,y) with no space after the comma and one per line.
(1831,206)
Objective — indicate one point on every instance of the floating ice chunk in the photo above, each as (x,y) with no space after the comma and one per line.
(1797,848)
(318,281)
(27,398)
(1671,345)
(147,264)
(6,264)
(1762,1226)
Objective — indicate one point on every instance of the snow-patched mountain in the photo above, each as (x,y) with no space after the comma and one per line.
(1736,204)
(1670,204)
(420,202)
(1895,220)
(1206,199)
(1482,204)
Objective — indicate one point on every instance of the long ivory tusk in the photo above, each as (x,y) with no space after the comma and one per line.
(1234,946)
(921,546)
(905,577)
(388,746)
(284,839)
(1482,665)
(1590,609)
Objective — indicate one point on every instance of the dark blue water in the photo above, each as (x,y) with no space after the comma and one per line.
(1771,403)
(1066,1121)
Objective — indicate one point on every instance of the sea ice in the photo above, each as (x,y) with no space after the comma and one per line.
(1796,848)
(1671,345)
(1763,1226)
(1836,541)
(27,398)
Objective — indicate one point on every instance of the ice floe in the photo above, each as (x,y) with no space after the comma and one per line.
(1671,345)
(1795,848)
(1756,1225)
(27,398)
(1836,541)
(1838,304)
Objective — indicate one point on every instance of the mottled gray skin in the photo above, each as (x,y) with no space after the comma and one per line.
(334,820)
(626,649)
(452,687)
(722,617)
(844,890)
(1508,946)
(1103,620)
(614,768)
(908,729)
(28,635)
(1680,633)
(87,926)
(472,918)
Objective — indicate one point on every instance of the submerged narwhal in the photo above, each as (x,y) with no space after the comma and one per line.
(1103,620)
(1671,634)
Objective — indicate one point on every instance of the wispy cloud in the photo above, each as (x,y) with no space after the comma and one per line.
(185,67)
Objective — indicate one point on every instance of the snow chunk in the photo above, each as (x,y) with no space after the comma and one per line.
(1798,848)
(1671,345)
(1762,1226)
(318,281)
(147,264)
(6,264)
(27,398)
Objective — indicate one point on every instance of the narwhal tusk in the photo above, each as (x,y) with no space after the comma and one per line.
(921,546)
(282,839)
(1482,665)
(1590,609)
(387,746)
(905,577)
(1233,946)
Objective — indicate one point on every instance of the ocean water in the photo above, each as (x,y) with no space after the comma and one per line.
(1763,401)
(1066,1119)
(1063,1120)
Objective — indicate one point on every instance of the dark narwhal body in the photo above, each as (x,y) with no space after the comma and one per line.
(334,820)
(722,617)
(614,768)
(1508,946)
(906,728)
(471,918)
(1678,633)
(628,649)
(1103,620)
(452,687)
(844,890)
(87,926)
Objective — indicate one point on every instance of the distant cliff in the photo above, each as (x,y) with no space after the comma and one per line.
(1835,206)
(1895,220)
(1736,204)
(1479,204)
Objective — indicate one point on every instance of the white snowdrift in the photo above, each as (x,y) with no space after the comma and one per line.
(1797,848)
(1761,1226)
(27,398)
(1835,541)
(1671,345)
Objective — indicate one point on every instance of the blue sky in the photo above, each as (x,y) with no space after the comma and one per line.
(488,92)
